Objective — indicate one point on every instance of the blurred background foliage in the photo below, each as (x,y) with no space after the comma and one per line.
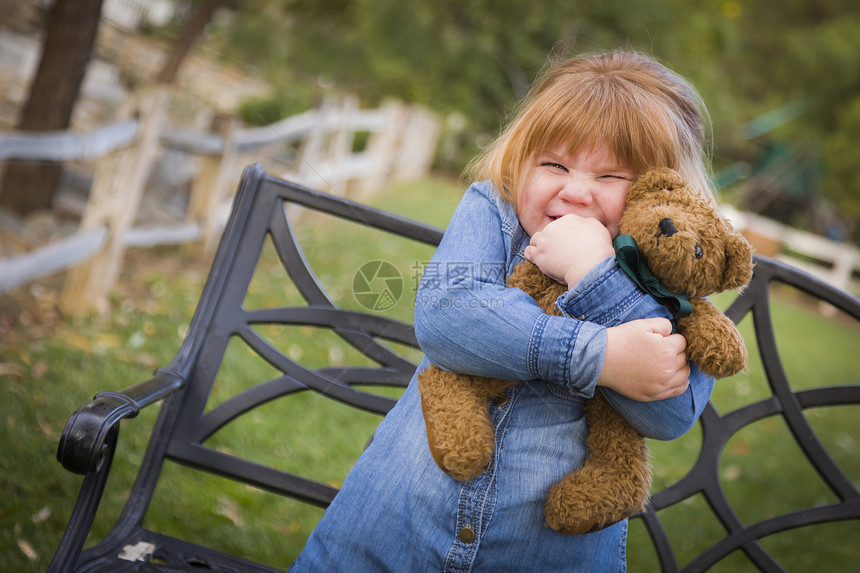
(780,78)
(792,65)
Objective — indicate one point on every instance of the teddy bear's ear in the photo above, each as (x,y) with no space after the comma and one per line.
(739,265)
(666,178)
(657,179)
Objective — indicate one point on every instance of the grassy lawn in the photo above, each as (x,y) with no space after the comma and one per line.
(49,366)
(762,470)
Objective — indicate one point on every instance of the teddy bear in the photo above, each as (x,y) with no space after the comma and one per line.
(677,247)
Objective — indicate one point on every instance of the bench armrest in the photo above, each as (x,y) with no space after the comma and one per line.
(82,445)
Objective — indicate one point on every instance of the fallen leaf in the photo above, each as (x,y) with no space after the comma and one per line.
(39,370)
(137,552)
(79,341)
(25,357)
(741,448)
(136,340)
(108,340)
(732,473)
(146,359)
(9,369)
(42,515)
(47,429)
(228,508)
(291,528)
(27,550)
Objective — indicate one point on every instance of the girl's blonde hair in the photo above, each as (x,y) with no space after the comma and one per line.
(646,114)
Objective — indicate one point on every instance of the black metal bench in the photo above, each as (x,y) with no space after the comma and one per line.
(185,422)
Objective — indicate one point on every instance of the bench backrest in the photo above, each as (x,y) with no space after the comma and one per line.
(261,214)
(189,418)
(786,400)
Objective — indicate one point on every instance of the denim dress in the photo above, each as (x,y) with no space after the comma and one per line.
(397,511)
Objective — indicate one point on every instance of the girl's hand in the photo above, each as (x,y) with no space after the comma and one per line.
(568,247)
(645,361)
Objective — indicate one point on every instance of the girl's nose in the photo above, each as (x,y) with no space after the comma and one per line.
(576,192)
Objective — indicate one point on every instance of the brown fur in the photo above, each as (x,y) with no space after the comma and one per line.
(713,341)
(616,477)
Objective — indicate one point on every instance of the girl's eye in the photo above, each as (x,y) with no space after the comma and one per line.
(554,165)
(613,177)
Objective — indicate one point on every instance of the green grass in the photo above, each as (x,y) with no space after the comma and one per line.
(49,367)
(762,469)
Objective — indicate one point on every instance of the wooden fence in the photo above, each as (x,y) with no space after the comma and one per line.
(832,261)
(316,148)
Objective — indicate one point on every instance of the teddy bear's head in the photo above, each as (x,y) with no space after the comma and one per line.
(682,237)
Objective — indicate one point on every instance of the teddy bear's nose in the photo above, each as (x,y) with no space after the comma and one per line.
(667,227)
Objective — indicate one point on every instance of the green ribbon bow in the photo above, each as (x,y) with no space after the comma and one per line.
(631,262)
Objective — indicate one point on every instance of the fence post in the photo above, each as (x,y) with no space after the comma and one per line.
(113,203)
(211,185)
(417,145)
(382,148)
(844,261)
(340,146)
(312,150)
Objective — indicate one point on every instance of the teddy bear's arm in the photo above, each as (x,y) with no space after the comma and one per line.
(713,340)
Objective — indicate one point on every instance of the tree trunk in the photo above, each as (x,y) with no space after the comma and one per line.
(191,31)
(70,34)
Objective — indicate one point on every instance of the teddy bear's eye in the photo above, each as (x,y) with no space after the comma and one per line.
(699,252)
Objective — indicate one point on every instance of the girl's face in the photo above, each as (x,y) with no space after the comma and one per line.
(590,183)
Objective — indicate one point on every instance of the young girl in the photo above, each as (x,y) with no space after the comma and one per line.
(553,190)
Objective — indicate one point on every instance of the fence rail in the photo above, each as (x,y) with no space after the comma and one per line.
(400,145)
(63,146)
(832,261)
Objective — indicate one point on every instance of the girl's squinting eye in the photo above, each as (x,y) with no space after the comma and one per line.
(554,165)
(614,177)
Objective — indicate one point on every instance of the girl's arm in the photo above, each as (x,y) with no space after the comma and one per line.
(467,320)
(670,418)
(664,419)
(643,360)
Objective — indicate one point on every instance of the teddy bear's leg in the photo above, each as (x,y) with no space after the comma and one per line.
(612,484)
(713,341)
(456,412)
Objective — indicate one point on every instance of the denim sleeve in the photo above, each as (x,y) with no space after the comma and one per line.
(666,419)
(590,300)
(467,320)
